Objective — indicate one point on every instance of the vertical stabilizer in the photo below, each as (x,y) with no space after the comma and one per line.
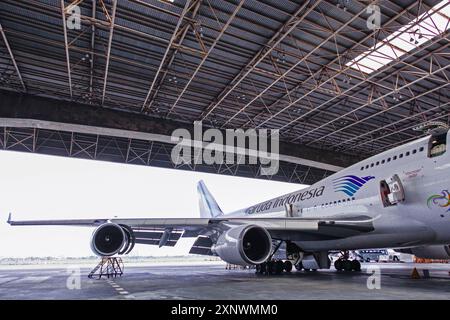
(208,206)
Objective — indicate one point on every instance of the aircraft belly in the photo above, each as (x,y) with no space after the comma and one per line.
(372,240)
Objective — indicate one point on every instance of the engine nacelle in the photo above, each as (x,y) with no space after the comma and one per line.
(244,245)
(429,252)
(110,239)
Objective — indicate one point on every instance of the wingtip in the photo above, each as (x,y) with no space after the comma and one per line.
(9,218)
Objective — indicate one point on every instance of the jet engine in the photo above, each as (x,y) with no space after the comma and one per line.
(244,245)
(429,252)
(110,239)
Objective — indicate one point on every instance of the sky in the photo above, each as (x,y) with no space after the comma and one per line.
(35,186)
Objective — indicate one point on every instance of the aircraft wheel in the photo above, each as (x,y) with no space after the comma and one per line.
(279,266)
(347,265)
(338,265)
(261,268)
(270,267)
(356,265)
(287,266)
(299,266)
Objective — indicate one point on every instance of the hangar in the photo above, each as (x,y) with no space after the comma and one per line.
(341,80)
(115,85)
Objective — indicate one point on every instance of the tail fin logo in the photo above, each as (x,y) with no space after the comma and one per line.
(350,184)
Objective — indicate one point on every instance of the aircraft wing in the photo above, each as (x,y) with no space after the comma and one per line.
(151,230)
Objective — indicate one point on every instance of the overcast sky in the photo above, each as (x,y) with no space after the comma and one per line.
(35,186)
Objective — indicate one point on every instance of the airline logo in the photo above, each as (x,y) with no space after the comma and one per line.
(441,200)
(350,184)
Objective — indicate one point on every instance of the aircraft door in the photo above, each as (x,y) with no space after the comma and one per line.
(391,191)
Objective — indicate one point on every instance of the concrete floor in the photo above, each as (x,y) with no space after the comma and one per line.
(214,282)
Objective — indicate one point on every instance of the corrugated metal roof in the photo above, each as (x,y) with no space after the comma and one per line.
(310,101)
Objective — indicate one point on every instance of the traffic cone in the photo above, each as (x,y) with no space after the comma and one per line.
(415,274)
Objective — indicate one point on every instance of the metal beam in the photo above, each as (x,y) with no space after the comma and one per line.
(173,55)
(295,65)
(13,59)
(169,47)
(382,111)
(276,39)
(366,141)
(108,51)
(211,48)
(91,75)
(328,66)
(66,47)
(365,79)
(96,120)
(385,78)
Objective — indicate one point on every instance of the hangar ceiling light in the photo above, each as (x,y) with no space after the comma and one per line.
(425,27)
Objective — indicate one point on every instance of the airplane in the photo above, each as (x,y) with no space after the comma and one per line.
(396,199)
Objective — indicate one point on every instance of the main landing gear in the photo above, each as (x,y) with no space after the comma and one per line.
(345,264)
(274,266)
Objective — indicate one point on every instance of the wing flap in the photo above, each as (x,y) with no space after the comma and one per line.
(202,246)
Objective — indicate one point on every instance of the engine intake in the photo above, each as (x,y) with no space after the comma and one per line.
(110,239)
(244,245)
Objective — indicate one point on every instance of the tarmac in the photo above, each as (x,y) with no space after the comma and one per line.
(213,281)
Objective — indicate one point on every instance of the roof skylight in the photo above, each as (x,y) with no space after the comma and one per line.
(427,26)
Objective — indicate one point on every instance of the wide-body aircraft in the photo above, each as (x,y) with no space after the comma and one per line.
(397,199)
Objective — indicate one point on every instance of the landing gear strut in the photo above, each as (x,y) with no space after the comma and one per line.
(345,264)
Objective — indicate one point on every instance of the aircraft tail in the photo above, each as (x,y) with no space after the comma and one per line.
(208,206)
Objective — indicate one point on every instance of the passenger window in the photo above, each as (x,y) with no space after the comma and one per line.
(378,162)
(414,151)
(407,153)
(388,159)
(382,161)
(394,158)
(401,155)
(362,168)
(421,149)
(367,166)
(371,165)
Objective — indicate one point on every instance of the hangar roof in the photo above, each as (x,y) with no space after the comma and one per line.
(320,71)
